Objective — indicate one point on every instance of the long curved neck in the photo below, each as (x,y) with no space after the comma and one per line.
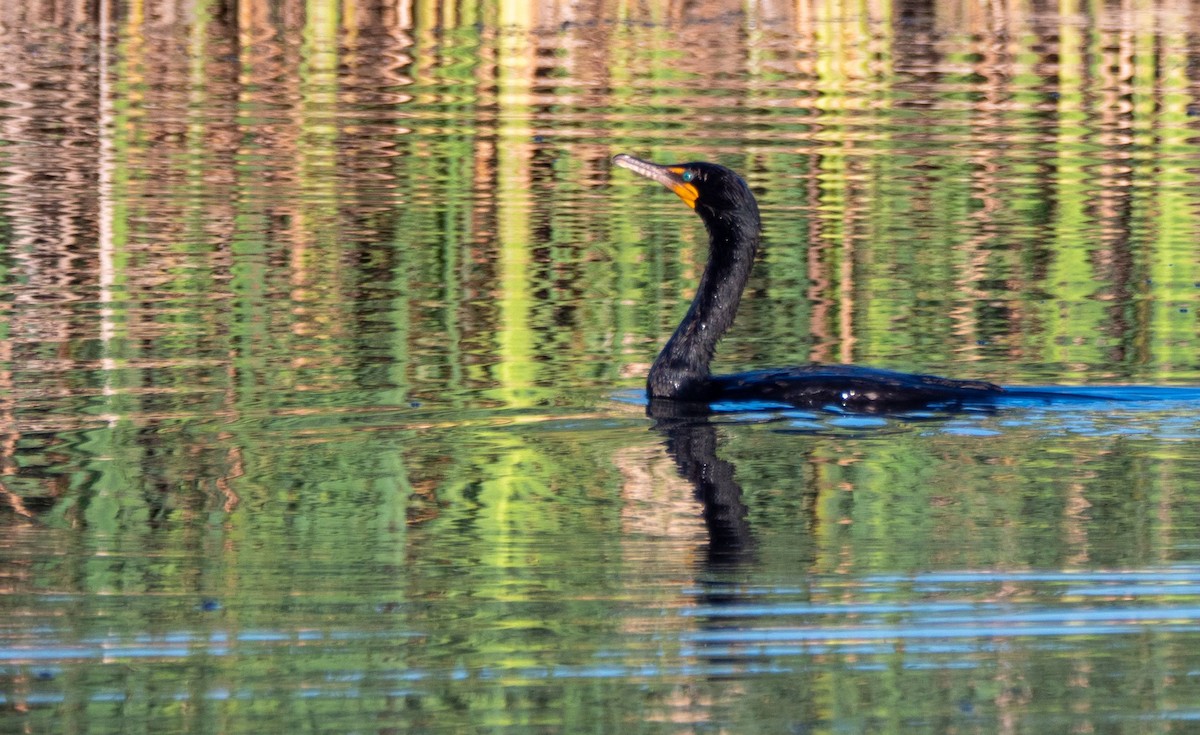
(681,369)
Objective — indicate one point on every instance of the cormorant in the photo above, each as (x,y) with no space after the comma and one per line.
(681,372)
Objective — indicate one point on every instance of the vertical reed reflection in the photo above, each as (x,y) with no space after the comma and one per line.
(282,279)
(277,208)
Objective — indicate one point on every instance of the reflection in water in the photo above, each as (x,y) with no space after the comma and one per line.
(311,312)
(691,440)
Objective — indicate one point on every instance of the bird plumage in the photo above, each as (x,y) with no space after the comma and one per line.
(681,372)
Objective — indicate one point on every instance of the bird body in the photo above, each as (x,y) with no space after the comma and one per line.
(681,371)
(851,386)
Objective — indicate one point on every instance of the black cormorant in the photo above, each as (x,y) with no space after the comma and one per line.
(681,372)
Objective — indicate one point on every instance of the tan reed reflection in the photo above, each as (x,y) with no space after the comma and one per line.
(944,185)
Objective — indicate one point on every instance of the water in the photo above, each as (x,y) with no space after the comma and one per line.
(324,324)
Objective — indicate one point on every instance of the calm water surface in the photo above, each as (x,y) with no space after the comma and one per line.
(323,327)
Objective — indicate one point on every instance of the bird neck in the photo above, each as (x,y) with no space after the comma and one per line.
(681,370)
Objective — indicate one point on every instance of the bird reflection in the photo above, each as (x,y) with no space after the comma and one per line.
(691,440)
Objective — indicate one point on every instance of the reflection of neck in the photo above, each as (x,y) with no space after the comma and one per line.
(681,369)
(692,443)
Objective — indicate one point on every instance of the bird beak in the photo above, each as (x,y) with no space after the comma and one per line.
(668,176)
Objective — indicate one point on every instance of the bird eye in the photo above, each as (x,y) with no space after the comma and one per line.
(687,176)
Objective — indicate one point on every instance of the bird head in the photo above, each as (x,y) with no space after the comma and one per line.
(715,192)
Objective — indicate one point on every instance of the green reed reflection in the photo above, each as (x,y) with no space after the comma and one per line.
(312,328)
